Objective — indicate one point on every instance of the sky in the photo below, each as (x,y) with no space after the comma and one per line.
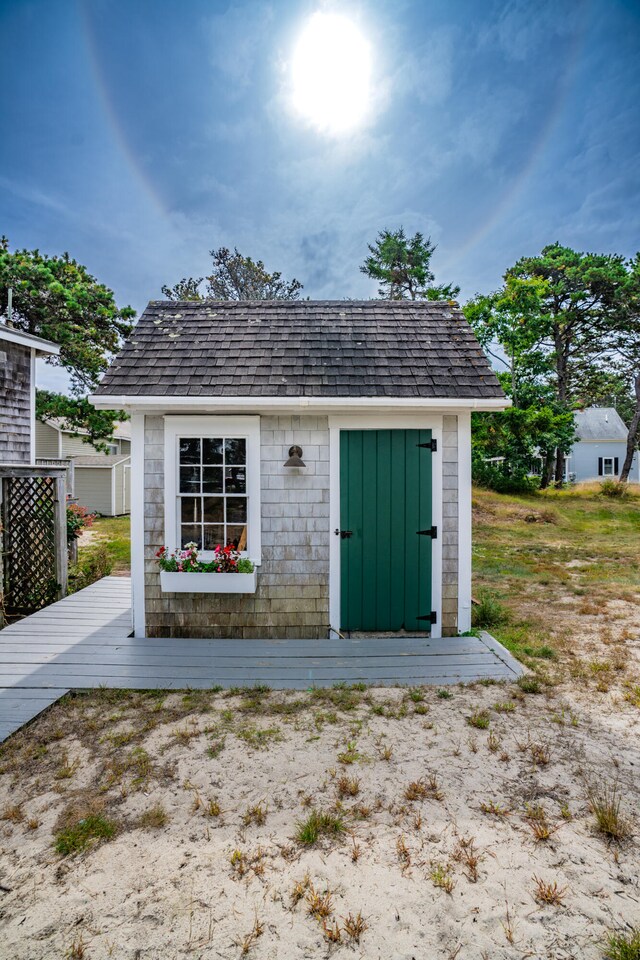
(139,134)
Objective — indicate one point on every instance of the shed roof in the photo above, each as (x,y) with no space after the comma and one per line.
(43,348)
(121,429)
(100,460)
(278,348)
(600,423)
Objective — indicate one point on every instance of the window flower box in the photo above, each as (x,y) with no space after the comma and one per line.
(227,572)
(175,582)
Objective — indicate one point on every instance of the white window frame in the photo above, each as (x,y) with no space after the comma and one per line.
(203,426)
(605,461)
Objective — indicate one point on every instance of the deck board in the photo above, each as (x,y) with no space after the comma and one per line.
(83,642)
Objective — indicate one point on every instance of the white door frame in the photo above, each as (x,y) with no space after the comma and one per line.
(377,422)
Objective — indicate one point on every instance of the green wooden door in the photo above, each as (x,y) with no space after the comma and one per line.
(385,499)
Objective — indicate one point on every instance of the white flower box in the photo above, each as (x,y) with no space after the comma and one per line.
(173,582)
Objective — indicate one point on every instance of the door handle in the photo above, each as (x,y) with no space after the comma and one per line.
(344,534)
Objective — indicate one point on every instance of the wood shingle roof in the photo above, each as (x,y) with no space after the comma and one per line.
(276,348)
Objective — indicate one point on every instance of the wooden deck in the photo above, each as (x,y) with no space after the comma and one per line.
(83,641)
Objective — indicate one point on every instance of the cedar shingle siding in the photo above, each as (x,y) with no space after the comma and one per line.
(372,348)
(292,599)
(15,403)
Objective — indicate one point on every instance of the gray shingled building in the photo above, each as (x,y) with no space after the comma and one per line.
(329,442)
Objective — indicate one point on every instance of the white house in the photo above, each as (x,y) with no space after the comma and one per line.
(329,442)
(97,480)
(601,446)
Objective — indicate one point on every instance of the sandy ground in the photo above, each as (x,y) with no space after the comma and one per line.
(447,868)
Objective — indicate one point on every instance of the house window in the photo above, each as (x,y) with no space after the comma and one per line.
(212,483)
(607,466)
(212,491)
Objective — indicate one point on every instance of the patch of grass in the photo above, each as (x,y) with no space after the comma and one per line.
(348,786)
(494,809)
(479,719)
(318,824)
(354,926)
(13,813)
(154,818)
(423,789)
(623,946)
(504,706)
(113,534)
(319,905)
(529,684)
(488,611)
(632,694)
(256,814)
(441,877)
(444,694)
(257,738)
(605,803)
(341,696)
(350,755)
(76,838)
(250,939)
(548,893)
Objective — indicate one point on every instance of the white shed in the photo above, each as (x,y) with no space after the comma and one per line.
(103,483)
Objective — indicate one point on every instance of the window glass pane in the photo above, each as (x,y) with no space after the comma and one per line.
(213,536)
(190,533)
(235,480)
(234,535)
(236,509)
(212,479)
(189,450)
(190,509)
(189,479)
(235,451)
(211,450)
(213,509)
(608,467)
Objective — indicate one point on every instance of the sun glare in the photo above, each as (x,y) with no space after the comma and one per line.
(331,74)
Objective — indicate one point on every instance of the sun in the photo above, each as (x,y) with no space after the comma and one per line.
(331,74)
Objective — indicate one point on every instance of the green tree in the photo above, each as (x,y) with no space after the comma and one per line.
(578,306)
(56,298)
(402,267)
(235,277)
(627,346)
(186,289)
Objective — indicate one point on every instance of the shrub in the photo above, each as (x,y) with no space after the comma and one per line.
(497,478)
(614,489)
(94,565)
(488,611)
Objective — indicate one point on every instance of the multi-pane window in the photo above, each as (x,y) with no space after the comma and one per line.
(607,466)
(212,491)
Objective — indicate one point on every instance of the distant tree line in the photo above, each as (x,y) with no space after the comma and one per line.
(563,330)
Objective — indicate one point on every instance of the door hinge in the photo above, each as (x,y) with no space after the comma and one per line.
(432,445)
(431,617)
(431,532)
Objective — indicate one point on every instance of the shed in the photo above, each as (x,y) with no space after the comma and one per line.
(365,529)
(601,447)
(103,483)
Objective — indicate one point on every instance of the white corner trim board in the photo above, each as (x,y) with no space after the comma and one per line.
(326,404)
(198,426)
(464,522)
(137,524)
(379,422)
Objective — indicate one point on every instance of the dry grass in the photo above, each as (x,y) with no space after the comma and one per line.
(605,803)
(548,892)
